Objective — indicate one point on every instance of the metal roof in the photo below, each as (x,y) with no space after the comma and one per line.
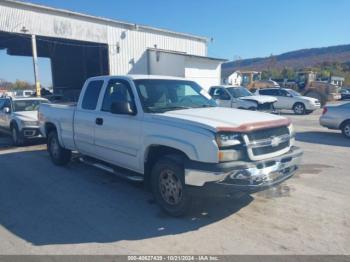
(185,54)
(101,19)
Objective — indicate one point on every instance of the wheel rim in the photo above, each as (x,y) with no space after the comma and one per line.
(347,130)
(14,135)
(54,148)
(170,187)
(299,109)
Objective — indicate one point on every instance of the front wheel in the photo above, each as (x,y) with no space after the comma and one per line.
(17,137)
(168,186)
(299,109)
(59,155)
(346,129)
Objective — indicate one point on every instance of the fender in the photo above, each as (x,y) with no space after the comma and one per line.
(175,143)
(59,131)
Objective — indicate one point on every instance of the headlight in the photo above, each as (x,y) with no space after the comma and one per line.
(292,135)
(30,123)
(228,139)
(291,130)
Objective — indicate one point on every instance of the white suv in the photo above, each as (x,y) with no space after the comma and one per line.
(291,100)
(19,117)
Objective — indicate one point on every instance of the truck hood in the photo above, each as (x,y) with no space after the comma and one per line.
(260,99)
(26,115)
(222,119)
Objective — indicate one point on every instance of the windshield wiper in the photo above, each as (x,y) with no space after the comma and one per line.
(205,106)
(168,108)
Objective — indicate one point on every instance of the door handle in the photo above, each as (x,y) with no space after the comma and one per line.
(99,121)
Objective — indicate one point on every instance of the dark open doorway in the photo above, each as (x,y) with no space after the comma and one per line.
(72,62)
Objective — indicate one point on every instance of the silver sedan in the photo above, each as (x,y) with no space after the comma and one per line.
(337,117)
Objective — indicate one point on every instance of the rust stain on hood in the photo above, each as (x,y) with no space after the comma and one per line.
(249,127)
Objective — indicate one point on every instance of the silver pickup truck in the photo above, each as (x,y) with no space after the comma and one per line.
(170,133)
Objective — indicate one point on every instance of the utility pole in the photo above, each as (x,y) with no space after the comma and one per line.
(36,66)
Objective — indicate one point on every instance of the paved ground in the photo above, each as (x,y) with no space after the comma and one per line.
(79,210)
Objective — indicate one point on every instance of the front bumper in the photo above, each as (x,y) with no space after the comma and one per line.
(31,132)
(242,176)
(313,107)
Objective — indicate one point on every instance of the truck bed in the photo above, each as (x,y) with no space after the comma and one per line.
(62,116)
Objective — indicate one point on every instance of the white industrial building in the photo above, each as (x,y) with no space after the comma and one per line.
(80,46)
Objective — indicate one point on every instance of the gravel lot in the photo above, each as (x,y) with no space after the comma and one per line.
(46,209)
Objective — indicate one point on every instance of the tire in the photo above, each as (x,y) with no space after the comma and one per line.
(346,129)
(299,109)
(16,135)
(168,186)
(59,155)
(308,112)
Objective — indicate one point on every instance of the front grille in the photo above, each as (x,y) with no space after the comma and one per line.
(268,133)
(267,141)
(269,149)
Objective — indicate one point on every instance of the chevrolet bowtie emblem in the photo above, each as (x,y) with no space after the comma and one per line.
(275,141)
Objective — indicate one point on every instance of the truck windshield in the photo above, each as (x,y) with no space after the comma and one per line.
(165,95)
(27,105)
(239,92)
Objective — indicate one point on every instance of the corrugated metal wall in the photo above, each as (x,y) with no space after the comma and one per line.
(132,42)
(133,46)
(49,24)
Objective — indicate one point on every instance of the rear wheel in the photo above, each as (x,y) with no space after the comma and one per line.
(346,129)
(299,109)
(59,155)
(168,186)
(17,137)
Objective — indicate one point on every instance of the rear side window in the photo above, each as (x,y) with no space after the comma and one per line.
(92,94)
(212,91)
(269,92)
(2,103)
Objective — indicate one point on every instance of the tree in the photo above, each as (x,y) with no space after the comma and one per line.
(21,84)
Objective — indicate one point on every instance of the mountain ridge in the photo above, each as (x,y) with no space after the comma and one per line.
(294,59)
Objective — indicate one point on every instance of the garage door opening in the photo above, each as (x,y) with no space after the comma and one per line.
(72,62)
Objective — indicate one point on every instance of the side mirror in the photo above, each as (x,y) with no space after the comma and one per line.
(6,110)
(123,108)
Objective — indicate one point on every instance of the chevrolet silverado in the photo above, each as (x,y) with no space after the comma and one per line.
(170,133)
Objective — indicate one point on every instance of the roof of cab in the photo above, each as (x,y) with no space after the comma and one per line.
(27,98)
(227,86)
(139,77)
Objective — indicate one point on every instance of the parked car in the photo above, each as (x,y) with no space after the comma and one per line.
(19,117)
(291,100)
(25,93)
(337,117)
(170,133)
(345,93)
(241,98)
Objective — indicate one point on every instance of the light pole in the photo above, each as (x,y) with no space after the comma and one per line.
(36,66)
(35,62)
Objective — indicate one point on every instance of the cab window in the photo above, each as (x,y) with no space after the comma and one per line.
(118,90)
